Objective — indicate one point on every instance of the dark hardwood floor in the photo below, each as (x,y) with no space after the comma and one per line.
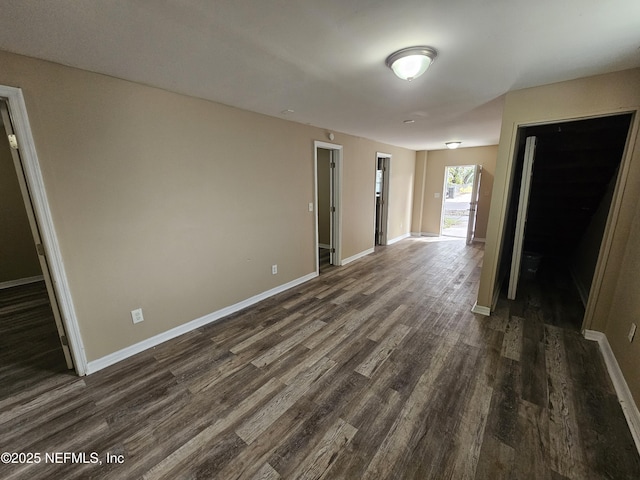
(30,351)
(376,370)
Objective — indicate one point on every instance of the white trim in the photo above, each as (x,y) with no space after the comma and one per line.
(397,239)
(625,398)
(480,240)
(115,357)
(521,217)
(357,256)
(21,281)
(336,229)
(428,234)
(416,234)
(33,176)
(481,309)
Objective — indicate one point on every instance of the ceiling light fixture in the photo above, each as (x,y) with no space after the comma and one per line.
(410,63)
(452,145)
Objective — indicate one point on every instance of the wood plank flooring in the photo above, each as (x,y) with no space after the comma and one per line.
(375,370)
(26,321)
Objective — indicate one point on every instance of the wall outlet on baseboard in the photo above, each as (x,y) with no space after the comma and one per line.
(274,269)
(632,332)
(136,315)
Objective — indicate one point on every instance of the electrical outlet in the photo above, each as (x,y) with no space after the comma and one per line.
(311,207)
(136,315)
(274,269)
(632,332)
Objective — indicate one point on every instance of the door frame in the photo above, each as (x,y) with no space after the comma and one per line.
(44,221)
(612,218)
(475,189)
(336,201)
(384,211)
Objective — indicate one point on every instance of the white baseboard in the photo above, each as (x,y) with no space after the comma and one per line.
(625,398)
(115,357)
(480,240)
(481,309)
(397,239)
(21,281)
(324,245)
(357,256)
(427,234)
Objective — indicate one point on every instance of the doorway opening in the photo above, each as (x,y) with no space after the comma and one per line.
(383,165)
(328,171)
(563,185)
(459,208)
(30,319)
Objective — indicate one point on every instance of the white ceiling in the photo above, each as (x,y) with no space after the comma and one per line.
(324,59)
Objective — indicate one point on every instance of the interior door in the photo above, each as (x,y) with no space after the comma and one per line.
(332,207)
(521,219)
(473,205)
(15,153)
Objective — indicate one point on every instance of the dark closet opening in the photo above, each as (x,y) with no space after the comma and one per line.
(574,176)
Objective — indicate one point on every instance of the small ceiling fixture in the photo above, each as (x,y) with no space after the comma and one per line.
(452,145)
(410,63)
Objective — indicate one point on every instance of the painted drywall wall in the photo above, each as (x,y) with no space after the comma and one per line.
(175,204)
(417,207)
(400,195)
(433,194)
(324,200)
(625,309)
(18,257)
(599,95)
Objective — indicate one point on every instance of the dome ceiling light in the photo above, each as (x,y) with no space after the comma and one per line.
(452,145)
(410,63)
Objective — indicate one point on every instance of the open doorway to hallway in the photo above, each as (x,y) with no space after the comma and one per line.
(33,342)
(328,161)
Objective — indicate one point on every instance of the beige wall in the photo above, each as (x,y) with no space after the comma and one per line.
(324,196)
(18,257)
(401,180)
(613,307)
(420,179)
(432,165)
(176,204)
